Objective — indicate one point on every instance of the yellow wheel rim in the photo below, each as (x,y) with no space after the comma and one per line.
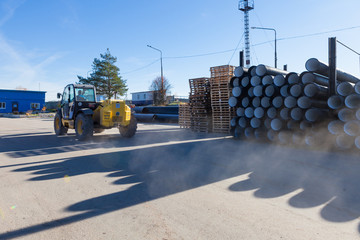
(79,127)
(57,123)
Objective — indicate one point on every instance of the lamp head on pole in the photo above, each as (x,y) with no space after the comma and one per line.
(154,48)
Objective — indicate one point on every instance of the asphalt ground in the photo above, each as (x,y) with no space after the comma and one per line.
(170,183)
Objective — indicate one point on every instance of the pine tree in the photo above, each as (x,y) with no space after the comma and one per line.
(105,77)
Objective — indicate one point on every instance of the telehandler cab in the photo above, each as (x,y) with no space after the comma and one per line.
(80,111)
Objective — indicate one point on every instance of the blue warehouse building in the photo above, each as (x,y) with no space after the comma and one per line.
(21,101)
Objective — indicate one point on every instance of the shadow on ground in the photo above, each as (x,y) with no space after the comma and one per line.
(45,143)
(326,179)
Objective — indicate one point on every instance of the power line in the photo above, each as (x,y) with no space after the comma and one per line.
(348,48)
(233,50)
(257,60)
(257,44)
(141,68)
(319,33)
(266,32)
(309,35)
(237,46)
(201,55)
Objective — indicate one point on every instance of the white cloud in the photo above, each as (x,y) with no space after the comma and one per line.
(13,64)
(18,69)
(8,9)
(70,19)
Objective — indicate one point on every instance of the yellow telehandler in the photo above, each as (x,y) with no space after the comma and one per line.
(80,111)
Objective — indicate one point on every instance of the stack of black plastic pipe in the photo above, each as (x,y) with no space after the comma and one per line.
(288,107)
(345,104)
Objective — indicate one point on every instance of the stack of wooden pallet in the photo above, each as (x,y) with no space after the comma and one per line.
(200,104)
(184,115)
(220,94)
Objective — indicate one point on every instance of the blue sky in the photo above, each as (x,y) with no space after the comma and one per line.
(48,43)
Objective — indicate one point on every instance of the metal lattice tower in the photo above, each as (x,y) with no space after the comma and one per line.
(246,6)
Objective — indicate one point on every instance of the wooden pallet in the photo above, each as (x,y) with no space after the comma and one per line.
(200,105)
(184,116)
(201,123)
(199,86)
(199,82)
(220,95)
(221,80)
(221,130)
(200,99)
(224,70)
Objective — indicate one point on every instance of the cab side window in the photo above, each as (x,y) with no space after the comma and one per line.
(71,93)
(65,98)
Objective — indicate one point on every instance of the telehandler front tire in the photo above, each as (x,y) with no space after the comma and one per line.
(84,126)
(59,128)
(129,130)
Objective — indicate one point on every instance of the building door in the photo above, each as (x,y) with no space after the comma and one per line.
(15,107)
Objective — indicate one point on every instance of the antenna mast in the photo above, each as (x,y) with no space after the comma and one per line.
(246,6)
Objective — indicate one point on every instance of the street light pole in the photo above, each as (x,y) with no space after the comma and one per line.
(162,76)
(272,29)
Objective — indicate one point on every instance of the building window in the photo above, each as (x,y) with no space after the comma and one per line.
(144,96)
(2,105)
(35,106)
(138,96)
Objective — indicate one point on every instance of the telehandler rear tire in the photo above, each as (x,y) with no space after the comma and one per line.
(84,126)
(129,130)
(59,128)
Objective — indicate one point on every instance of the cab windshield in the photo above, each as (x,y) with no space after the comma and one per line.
(85,94)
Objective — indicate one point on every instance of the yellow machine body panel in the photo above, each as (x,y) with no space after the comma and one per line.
(112,113)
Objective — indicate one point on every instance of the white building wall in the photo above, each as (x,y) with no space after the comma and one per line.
(142,96)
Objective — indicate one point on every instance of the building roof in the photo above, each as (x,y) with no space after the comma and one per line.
(17,90)
(142,92)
